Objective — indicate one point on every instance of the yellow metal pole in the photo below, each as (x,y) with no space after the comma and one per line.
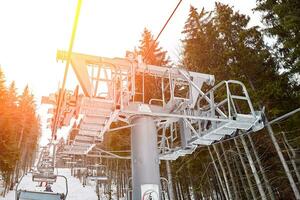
(61,94)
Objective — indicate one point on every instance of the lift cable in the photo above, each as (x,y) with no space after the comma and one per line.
(152,45)
(62,91)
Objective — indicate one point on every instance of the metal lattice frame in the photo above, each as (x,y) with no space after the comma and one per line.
(110,88)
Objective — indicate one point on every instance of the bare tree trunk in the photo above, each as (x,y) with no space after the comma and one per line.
(244,186)
(218,174)
(177,190)
(223,171)
(170,182)
(222,195)
(208,187)
(187,187)
(116,178)
(283,161)
(191,182)
(278,150)
(236,195)
(215,187)
(270,191)
(7,185)
(180,190)
(245,169)
(291,153)
(254,171)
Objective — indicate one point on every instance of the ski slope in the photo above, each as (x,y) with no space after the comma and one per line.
(76,190)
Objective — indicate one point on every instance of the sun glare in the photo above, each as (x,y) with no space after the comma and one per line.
(31,35)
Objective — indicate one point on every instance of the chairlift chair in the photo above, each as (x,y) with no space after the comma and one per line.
(98,173)
(49,178)
(35,195)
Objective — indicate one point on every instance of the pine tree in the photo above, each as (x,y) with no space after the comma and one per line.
(3,89)
(3,96)
(222,44)
(8,126)
(153,55)
(19,132)
(29,132)
(12,94)
(282,19)
(26,102)
(200,45)
(150,50)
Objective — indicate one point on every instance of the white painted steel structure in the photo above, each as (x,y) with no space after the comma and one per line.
(184,115)
(183,111)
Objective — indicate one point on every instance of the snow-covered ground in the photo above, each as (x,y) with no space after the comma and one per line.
(76,190)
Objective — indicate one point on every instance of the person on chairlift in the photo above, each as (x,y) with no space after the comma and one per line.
(48,188)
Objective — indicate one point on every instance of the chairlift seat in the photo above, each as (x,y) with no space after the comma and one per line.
(46,170)
(96,166)
(31,195)
(98,178)
(44,178)
(21,194)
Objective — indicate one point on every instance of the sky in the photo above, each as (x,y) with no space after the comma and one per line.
(32,31)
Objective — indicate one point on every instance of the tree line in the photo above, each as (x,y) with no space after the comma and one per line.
(19,132)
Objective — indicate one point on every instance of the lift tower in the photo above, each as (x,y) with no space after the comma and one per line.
(174,122)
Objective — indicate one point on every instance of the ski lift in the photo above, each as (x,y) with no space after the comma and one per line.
(35,195)
(71,162)
(48,169)
(66,158)
(97,173)
(44,178)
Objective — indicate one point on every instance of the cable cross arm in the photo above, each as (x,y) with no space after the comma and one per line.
(123,66)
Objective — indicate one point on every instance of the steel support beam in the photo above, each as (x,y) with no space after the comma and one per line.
(145,159)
